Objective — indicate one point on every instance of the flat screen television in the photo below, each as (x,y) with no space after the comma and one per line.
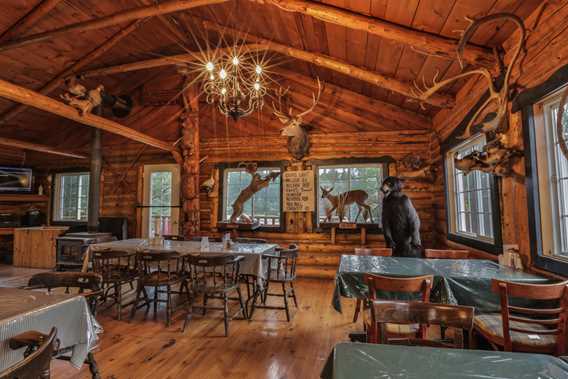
(15,179)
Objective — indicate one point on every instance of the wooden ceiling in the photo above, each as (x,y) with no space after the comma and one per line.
(348,104)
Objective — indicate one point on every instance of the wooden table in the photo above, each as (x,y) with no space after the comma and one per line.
(362,361)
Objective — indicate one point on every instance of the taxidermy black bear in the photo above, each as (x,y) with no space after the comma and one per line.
(401,224)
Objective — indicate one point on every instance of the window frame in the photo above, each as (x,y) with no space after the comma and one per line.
(493,247)
(261,165)
(384,161)
(55,201)
(526,103)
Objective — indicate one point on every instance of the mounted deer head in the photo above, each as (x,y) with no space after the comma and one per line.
(298,141)
(498,94)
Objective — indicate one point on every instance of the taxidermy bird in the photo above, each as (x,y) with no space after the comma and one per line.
(84,103)
(75,88)
(209,184)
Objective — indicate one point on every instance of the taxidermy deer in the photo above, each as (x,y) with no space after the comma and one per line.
(256,184)
(339,202)
(294,129)
(78,97)
(498,94)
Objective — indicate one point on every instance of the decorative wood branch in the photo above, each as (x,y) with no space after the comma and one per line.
(38,147)
(158,62)
(428,43)
(162,8)
(189,122)
(392,84)
(29,19)
(75,67)
(33,99)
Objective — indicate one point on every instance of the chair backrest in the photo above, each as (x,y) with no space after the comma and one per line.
(417,284)
(114,265)
(35,365)
(552,316)
(446,254)
(374,251)
(416,312)
(215,270)
(282,264)
(79,281)
(250,240)
(169,264)
(174,237)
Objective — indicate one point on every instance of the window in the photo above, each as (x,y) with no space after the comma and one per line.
(160,215)
(471,208)
(552,169)
(71,197)
(348,177)
(264,206)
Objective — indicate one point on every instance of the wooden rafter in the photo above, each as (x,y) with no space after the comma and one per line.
(34,99)
(431,44)
(158,62)
(29,19)
(38,147)
(74,68)
(162,8)
(341,66)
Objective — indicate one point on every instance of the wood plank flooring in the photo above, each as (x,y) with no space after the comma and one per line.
(266,347)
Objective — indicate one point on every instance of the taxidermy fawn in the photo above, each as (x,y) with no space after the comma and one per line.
(339,202)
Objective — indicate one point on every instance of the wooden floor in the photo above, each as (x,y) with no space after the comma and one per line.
(267,347)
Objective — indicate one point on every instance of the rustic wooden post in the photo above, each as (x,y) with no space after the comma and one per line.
(189,123)
(94,182)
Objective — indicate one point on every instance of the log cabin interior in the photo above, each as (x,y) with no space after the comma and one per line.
(283,188)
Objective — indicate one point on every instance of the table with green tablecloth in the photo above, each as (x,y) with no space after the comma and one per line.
(362,361)
(456,281)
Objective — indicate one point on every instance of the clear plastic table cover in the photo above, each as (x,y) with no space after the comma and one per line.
(24,310)
(362,361)
(456,281)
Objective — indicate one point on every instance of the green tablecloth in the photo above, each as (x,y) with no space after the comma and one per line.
(456,281)
(361,361)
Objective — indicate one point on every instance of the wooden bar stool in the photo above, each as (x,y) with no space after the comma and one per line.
(374,251)
(529,329)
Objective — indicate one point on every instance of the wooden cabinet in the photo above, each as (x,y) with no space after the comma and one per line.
(36,247)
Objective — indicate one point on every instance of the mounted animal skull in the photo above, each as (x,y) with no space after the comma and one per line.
(294,129)
(499,88)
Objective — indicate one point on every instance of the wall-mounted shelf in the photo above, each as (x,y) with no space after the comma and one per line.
(23,198)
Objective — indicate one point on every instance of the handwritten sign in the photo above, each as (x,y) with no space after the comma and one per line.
(299,191)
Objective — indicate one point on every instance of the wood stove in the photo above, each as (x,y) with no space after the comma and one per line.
(71,248)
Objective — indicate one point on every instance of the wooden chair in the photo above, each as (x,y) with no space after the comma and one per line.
(373,251)
(419,286)
(527,329)
(117,268)
(161,270)
(37,356)
(281,269)
(446,254)
(216,277)
(456,317)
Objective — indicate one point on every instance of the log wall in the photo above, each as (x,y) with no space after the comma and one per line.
(546,52)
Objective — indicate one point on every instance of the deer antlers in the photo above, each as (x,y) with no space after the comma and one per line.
(288,117)
(498,94)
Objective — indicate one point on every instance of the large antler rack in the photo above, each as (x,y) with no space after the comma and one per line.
(498,94)
(289,116)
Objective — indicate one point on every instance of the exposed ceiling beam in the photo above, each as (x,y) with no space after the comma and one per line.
(74,68)
(428,43)
(29,19)
(38,147)
(160,62)
(162,8)
(341,66)
(34,99)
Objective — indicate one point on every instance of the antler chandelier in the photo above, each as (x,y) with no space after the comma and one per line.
(236,82)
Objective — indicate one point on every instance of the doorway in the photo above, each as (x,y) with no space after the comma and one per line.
(161,210)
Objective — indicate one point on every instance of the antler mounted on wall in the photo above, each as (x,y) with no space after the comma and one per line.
(499,87)
(294,129)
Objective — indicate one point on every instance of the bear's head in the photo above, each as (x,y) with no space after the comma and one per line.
(391,184)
